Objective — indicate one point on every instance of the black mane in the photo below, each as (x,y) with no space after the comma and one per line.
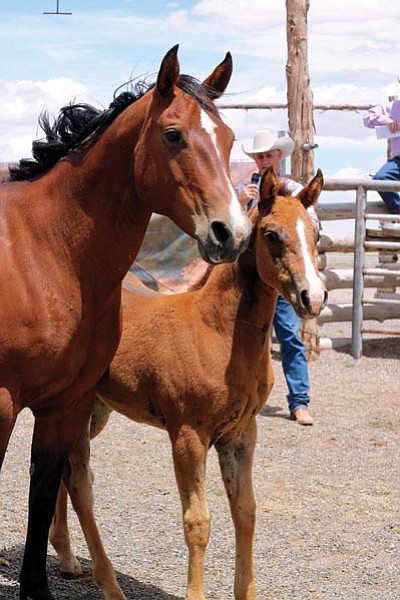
(77,122)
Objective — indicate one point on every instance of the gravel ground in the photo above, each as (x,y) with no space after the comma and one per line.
(328,497)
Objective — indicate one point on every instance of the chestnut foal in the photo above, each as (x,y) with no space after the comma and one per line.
(198,365)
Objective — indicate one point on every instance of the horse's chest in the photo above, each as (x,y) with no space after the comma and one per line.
(51,344)
(40,348)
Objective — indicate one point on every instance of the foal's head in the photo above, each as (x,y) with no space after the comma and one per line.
(182,156)
(286,244)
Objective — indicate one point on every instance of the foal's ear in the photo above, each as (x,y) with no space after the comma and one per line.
(269,189)
(219,78)
(169,72)
(310,193)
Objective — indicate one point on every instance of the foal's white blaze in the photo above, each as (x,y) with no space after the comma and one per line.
(237,217)
(317,288)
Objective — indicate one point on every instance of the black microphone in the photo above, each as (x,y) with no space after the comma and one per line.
(255,178)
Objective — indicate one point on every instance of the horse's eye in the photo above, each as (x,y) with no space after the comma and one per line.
(173,136)
(271,236)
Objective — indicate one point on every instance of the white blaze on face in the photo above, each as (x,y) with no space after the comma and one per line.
(237,217)
(317,290)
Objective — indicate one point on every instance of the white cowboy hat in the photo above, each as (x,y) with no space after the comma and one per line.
(265,141)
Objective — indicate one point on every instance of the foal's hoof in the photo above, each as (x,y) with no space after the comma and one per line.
(71,569)
(70,576)
(29,593)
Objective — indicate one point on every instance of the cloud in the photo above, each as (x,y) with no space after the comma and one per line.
(356,35)
(177,19)
(242,13)
(22,102)
(352,57)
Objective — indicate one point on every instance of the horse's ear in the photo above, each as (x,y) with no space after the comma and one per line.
(169,72)
(310,193)
(220,77)
(269,189)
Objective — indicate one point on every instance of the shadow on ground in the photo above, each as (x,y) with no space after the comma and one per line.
(384,347)
(274,411)
(83,588)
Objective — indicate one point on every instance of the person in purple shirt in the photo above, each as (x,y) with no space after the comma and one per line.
(388,115)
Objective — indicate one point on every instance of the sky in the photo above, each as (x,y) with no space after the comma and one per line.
(353,56)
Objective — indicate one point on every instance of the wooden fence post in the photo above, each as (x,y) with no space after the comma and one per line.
(299,94)
(301,123)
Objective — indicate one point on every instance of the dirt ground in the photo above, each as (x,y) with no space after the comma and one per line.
(328,497)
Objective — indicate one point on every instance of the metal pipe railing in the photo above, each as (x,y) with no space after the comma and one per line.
(348,184)
(361,185)
(358,277)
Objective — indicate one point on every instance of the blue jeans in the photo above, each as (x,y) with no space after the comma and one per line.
(390,171)
(294,363)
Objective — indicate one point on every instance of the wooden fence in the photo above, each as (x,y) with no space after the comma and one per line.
(378,239)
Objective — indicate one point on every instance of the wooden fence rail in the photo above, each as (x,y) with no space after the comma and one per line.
(279,105)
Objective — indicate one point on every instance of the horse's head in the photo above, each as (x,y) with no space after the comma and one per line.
(285,244)
(182,157)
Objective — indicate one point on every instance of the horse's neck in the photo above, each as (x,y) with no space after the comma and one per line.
(237,299)
(91,199)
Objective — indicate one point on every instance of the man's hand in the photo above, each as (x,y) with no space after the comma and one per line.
(248,193)
(393,126)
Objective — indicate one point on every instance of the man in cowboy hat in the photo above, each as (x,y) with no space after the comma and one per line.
(268,150)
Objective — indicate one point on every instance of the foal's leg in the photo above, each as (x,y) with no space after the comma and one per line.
(52,441)
(189,454)
(60,538)
(79,486)
(236,462)
(7,421)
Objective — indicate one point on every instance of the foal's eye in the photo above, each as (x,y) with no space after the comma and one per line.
(271,236)
(173,136)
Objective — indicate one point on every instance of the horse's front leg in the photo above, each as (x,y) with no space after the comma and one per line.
(189,454)
(78,481)
(8,417)
(236,462)
(59,531)
(53,439)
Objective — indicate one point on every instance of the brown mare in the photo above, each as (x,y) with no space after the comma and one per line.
(71,225)
(198,365)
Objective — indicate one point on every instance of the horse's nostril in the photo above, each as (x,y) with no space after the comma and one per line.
(220,232)
(305,299)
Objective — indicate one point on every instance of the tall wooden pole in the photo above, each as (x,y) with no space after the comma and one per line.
(299,94)
(301,124)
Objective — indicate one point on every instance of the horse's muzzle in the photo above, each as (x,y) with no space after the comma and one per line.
(309,306)
(222,244)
